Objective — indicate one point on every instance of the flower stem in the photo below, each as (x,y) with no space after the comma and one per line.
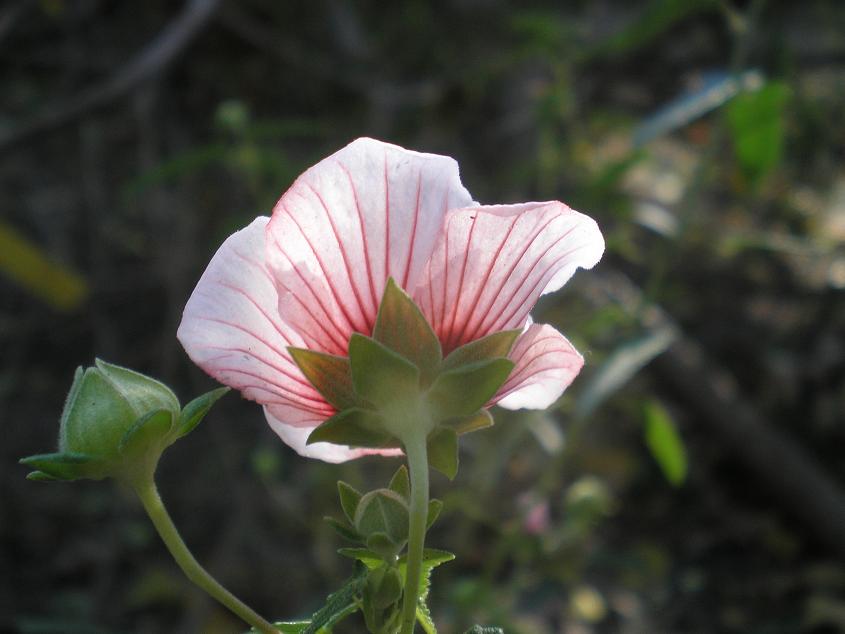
(147,492)
(417,454)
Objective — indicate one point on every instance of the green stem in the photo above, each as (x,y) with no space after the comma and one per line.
(146,490)
(418,467)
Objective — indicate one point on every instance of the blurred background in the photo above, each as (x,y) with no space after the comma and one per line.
(691,480)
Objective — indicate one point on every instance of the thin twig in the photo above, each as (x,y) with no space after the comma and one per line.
(148,63)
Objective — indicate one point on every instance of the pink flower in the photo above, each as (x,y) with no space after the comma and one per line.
(314,273)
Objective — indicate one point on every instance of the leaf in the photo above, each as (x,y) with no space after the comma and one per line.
(443,451)
(34,269)
(342,529)
(330,375)
(757,121)
(349,498)
(665,444)
(498,344)
(355,427)
(380,376)
(193,413)
(424,617)
(290,627)
(477,629)
(434,509)
(480,420)
(369,558)
(339,604)
(401,482)
(621,366)
(64,466)
(401,326)
(462,391)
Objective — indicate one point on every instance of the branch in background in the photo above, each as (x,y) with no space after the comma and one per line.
(148,63)
(806,492)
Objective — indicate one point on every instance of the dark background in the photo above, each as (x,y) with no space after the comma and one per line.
(690,480)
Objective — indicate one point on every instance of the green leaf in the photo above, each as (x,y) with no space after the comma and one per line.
(480,420)
(65,466)
(665,444)
(401,482)
(477,629)
(193,413)
(148,433)
(424,617)
(380,376)
(369,558)
(346,532)
(443,451)
(329,374)
(498,344)
(434,508)
(433,557)
(383,511)
(349,498)
(464,390)
(758,124)
(401,326)
(355,427)
(339,604)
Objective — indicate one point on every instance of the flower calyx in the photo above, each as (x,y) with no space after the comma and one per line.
(116,423)
(397,382)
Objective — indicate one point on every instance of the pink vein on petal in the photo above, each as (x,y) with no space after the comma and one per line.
(345,258)
(363,237)
(326,276)
(413,233)
(456,300)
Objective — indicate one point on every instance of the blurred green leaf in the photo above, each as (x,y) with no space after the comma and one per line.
(665,444)
(757,123)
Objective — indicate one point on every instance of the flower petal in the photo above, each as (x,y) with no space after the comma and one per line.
(231,327)
(368,212)
(295,435)
(546,363)
(492,263)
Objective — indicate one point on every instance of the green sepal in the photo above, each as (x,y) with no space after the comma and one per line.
(384,586)
(383,511)
(462,391)
(330,375)
(194,412)
(355,427)
(401,326)
(142,392)
(434,508)
(480,420)
(349,498)
(369,558)
(381,376)
(149,433)
(498,344)
(381,544)
(346,532)
(401,483)
(443,451)
(65,466)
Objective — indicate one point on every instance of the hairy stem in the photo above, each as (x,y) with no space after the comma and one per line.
(147,492)
(417,454)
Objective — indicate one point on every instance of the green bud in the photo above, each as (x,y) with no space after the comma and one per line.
(383,512)
(117,422)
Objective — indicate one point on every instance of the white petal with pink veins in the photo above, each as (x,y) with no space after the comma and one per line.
(492,263)
(231,326)
(545,364)
(297,436)
(370,211)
